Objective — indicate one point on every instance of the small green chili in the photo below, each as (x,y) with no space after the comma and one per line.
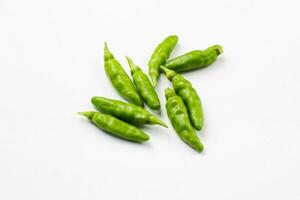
(160,56)
(179,118)
(144,86)
(196,59)
(115,126)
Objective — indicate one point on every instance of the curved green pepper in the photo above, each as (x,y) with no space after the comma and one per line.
(179,118)
(128,112)
(115,126)
(196,59)
(185,90)
(120,79)
(160,56)
(144,86)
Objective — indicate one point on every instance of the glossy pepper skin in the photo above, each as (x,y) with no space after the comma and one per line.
(160,56)
(115,126)
(179,118)
(128,112)
(143,86)
(196,59)
(120,79)
(185,90)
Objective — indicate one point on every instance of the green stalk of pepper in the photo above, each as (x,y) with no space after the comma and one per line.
(179,118)
(143,86)
(115,126)
(119,79)
(128,112)
(196,59)
(185,90)
(160,56)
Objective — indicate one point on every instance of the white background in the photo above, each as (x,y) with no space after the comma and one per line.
(51,65)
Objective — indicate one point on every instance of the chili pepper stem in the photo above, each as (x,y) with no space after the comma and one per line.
(107,54)
(155,120)
(132,66)
(169,73)
(218,49)
(88,114)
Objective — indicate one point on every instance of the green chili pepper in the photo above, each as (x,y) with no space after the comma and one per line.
(144,86)
(115,126)
(160,56)
(179,118)
(185,90)
(128,112)
(195,59)
(119,78)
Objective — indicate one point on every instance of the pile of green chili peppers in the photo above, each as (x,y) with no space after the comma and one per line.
(183,104)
